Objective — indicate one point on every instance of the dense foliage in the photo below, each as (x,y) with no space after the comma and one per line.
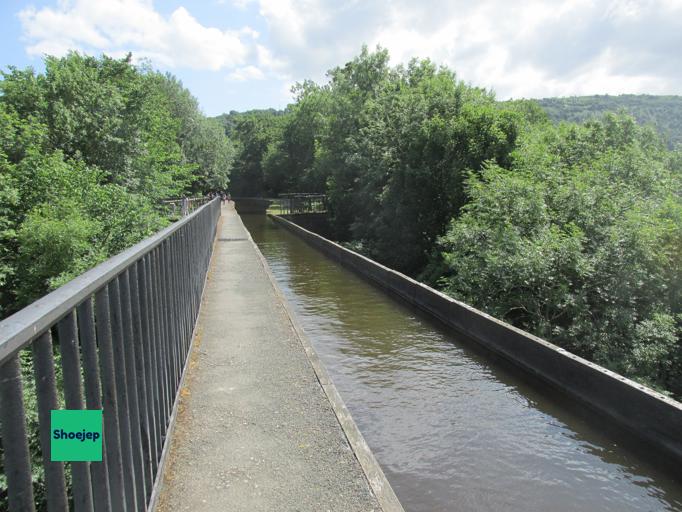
(662,112)
(579,241)
(88,149)
(252,133)
(570,231)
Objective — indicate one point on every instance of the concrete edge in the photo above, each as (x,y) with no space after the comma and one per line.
(375,476)
(157,487)
(653,417)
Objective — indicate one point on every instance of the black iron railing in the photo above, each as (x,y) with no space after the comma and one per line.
(287,204)
(123,331)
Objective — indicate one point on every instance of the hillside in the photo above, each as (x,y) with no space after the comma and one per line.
(663,112)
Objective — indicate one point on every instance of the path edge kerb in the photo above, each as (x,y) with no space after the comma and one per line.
(375,476)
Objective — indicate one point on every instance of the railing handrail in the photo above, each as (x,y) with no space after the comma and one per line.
(302,194)
(195,198)
(17,330)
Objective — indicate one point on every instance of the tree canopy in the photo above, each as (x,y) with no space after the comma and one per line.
(88,149)
(579,242)
(571,231)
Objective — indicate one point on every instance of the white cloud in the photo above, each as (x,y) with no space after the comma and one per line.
(114,26)
(239,4)
(267,60)
(533,48)
(246,73)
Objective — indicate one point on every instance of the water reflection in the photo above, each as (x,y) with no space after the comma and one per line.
(453,430)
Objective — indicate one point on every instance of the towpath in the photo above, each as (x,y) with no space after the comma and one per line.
(255,430)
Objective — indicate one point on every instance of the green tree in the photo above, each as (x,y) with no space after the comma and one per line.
(570,231)
(579,242)
(254,133)
(419,138)
(203,141)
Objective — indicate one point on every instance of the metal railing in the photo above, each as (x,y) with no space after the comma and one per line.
(124,331)
(184,206)
(287,204)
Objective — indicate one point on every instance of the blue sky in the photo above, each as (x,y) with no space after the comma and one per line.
(242,54)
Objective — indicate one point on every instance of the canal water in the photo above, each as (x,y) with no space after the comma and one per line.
(452,429)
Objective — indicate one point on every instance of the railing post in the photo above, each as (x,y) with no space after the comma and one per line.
(161,336)
(146,328)
(73,398)
(140,370)
(133,389)
(112,435)
(93,399)
(129,475)
(16,462)
(155,350)
(169,319)
(46,392)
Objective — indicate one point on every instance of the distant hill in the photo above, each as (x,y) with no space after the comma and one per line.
(663,112)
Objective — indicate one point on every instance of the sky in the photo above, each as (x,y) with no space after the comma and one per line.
(244,54)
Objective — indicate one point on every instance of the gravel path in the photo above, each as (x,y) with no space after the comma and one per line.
(255,430)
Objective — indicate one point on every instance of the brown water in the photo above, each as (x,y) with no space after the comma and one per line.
(453,429)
